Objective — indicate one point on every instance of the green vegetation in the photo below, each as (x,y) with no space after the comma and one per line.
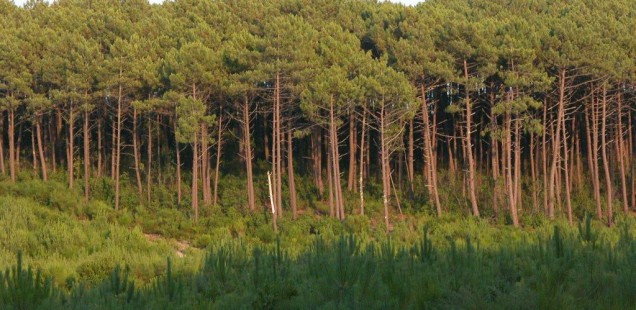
(288,154)
(86,256)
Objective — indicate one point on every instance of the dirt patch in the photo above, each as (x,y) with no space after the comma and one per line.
(180,246)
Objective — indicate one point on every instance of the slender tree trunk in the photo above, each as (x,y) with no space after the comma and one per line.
(33,150)
(517,144)
(149,168)
(469,147)
(71,146)
(557,142)
(277,148)
(621,155)
(290,174)
(335,159)
(494,157)
(544,158)
(18,146)
(2,165)
(430,157)
(113,148)
(362,146)
(195,176)
(219,152)
(266,144)
(100,151)
(38,128)
(512,200)
(410,159)
(330,178)
(251,197)
(205,162)
(136,155)
(608,180)
(533,173)
(591,153)
(386,191)
(352,153)
(120,99)
(271,199)
(568,200)
(178,152)
(631,156)
(87,154)
(316,149)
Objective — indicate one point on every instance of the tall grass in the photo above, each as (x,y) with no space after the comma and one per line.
(560,269)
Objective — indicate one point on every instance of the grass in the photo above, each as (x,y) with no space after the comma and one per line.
(58,252)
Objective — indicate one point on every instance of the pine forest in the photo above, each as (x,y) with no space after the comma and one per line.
(288,154)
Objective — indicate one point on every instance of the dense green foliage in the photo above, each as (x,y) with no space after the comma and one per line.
(288,153)
(451,264)
(90,257)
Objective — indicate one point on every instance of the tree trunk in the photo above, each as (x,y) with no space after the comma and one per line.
(621,155)
(136,155)
(205,163)
(557,143)
(518,192)
(118,145)
(385,168)
(469,148)
(430,158)
(608,180)
(38,128)
(509,175)
(2,165)
(568,200)
(330,185)
(335,159)
(100,154)
(410,160)
(195,176)
(362,146)
(33,150)
(276,149)
(544,158)
(290,174)
(590,132)
(87,154)
(178,152)
(219,152)
(70,147)
(113,148)
(149,168)
(251,197)
(352,153)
